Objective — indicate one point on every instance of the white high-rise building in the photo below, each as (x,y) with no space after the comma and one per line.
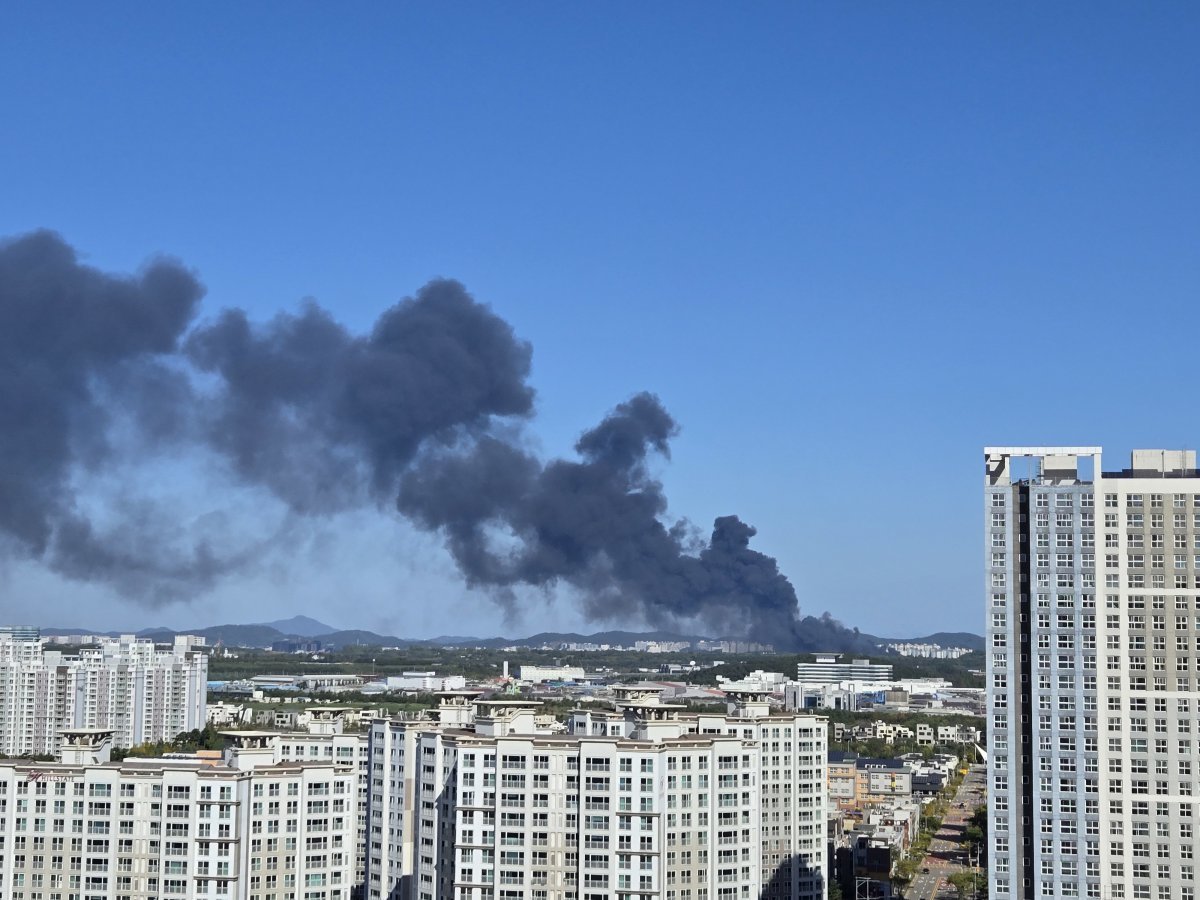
(326,741)
(238,826)
(494,800)
(1093,596)
(139,690)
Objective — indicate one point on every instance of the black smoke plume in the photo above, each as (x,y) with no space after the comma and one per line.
(597,524)
(424,413)
(324,418)
(70,338)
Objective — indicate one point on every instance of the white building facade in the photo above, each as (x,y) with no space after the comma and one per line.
(826,668)
(241,827)
(425,682)
(326,742)
(140,690)
(493,801)
(1093,596)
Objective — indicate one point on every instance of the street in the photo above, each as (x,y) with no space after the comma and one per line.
(946,853)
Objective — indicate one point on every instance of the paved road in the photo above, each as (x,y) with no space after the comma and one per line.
(945,850)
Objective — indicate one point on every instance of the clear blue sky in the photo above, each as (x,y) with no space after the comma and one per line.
(848,245)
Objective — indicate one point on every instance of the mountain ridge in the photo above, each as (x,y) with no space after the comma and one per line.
(303,626)
(263,635)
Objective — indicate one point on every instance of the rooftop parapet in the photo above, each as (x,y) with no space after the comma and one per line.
(1048,465)
(1159,464)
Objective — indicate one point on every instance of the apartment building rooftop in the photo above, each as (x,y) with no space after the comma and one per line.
(1062,465)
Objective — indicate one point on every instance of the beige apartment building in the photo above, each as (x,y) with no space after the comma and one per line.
(207,826)
(494,800)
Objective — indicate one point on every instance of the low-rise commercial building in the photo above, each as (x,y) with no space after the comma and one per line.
(539,674)
(887,732)
(860,694)
(424,682)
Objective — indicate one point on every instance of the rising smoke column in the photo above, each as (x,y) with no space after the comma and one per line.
(424,414)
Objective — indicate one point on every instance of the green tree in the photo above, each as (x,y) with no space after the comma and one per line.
(970,884)
(975,835)
(206,738)
(963,882)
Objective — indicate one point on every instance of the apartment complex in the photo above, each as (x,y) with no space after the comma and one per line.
(139,690)
(1093,595)
(494,800)
(242,826)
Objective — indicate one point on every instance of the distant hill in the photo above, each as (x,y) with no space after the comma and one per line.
(944,639)
(263,636)
(300,626)
(817,634)
(159,635)
(337,639)
(241,635)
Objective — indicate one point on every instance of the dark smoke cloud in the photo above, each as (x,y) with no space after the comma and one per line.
(597,524)
(324,419)
(423,413)
(317,414)
(68,335)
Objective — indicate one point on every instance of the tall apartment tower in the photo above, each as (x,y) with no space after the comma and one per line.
(1093,597)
